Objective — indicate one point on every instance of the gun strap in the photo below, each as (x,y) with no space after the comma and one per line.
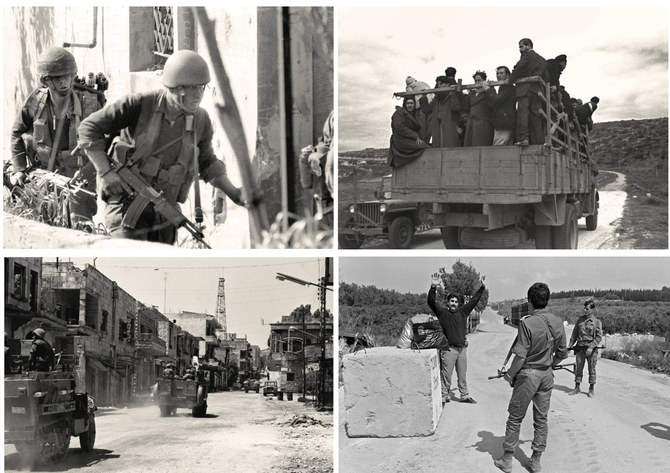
(196,171)
(59,131)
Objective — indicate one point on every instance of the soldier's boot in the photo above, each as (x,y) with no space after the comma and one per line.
(505,462)
(535,466)
(591,391)
(575,391)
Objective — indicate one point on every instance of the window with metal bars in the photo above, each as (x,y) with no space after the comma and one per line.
(163,25)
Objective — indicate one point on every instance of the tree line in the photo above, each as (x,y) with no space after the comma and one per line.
(637,295)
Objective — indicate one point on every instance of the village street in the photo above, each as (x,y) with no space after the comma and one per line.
(240,433)
(625,428)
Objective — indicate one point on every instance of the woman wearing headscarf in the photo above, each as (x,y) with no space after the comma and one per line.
(409,133)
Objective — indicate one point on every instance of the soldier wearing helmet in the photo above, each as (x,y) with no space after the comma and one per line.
(41,353)
(168,130)
(44,133)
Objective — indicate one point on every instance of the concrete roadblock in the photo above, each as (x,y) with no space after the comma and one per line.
(391,392)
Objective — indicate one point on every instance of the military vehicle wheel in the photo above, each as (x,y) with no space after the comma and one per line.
(543,237)
(257,390)
(199,411)
(173,411)
(54,444)
(566,236)
(592,221)
(87,439)
(401,232)
(450,238)
(165,411)
(349,242)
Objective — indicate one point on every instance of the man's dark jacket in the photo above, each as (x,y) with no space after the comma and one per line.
(454,323)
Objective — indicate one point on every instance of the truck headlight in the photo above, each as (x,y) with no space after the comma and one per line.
(352,208)
(382,208)
(387,195)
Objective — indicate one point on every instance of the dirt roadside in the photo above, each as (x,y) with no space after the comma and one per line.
(624,429)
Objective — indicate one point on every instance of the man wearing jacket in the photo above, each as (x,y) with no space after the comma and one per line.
(454,321)
(529,128)
(504,109)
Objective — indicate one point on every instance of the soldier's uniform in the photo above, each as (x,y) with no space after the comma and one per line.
(41,353)
(587,334)
(33,135)
(541,336)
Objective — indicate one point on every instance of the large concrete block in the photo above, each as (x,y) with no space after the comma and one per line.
(391,392)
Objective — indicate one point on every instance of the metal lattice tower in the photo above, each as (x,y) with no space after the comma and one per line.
(221,305)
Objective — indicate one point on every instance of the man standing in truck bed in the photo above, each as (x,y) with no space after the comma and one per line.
(528,121)
(454,322)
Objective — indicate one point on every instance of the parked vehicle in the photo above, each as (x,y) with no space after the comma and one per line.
(503,196)
(252,385)
(270,388)
(43,410)
(392,218)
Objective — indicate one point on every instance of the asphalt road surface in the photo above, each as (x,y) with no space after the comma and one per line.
(624,429)
(612,200)
(241,433)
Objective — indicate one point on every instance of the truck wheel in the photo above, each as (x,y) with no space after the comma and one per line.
(349,242)
(165,411)
(450,238)
(87,439)
(566,236)
(592,221)
(543,237)
(401,231)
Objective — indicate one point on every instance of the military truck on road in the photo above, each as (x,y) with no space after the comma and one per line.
(171,394)
(43,411)
(503,196)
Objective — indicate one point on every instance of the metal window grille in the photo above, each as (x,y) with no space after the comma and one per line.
(163,32)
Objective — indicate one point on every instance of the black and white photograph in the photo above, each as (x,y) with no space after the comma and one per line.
(500,127)
(168,364)
(196,127)
(442,357)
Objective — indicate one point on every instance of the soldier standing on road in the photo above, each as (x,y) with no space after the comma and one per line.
(586,338)
(540,345)
(44,133)
(41,353)
(454,322)
(168,130)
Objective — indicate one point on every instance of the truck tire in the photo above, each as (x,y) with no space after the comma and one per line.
(592,221)
(401,232)
(566,236)
(349,242)
(543,235)
(51,451)
(450,238)
(165,411)
(87,439)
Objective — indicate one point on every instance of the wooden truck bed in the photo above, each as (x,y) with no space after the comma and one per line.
(490,175)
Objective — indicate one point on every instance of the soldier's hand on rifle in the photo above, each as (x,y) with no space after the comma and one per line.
(112,184)
(509,379)
(17,178)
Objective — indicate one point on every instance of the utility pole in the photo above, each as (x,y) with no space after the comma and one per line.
(322,364)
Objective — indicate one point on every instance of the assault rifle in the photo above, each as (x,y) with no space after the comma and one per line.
(567,366)
(145,194)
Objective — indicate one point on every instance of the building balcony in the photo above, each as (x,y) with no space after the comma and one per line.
(151,343)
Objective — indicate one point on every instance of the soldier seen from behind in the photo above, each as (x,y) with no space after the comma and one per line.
(586,338)
(164,132)
(44,134)
(539,346)
(41,353)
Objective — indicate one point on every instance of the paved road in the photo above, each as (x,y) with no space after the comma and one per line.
(241,433)
(624,429)
(612,200)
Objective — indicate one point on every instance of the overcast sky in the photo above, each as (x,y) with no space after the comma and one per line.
(510,277)
(253,296)
(619,54)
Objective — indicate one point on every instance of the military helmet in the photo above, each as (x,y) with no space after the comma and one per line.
(39,333)
(185,68)
(56,62)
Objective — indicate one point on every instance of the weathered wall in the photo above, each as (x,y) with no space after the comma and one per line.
(390,392)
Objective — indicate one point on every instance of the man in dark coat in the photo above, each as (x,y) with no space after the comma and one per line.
(444,115)
(408,126)
(504,110)
(585,111)
(479,129)
(529,128)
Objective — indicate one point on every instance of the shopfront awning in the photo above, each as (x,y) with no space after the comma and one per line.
(96,365)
